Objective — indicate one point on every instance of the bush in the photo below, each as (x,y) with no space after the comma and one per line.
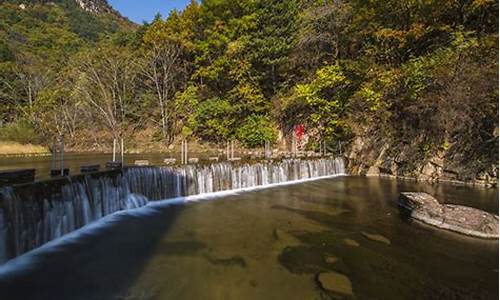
(256,130)
(213,120)
(21,132)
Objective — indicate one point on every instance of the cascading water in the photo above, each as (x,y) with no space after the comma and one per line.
(163,183)
(34,214)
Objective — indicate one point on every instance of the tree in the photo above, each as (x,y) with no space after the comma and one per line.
(322,36)
(59,112)
(273,41)
(256,131)
(106,81)
(162,66)
(214,120)
(21,82)
(321,103)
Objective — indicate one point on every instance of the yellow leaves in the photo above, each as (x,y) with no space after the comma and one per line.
(247,91)
(401,38)
(234,48)
(329,76)
(464,40)
(372,92)
(186,98)
(305,90)
(374,98)
(391,34)
(326,78)
(389,78)
(157,33)
(249,95)
(49,98)
(416,31)
(170,30)
(479,4)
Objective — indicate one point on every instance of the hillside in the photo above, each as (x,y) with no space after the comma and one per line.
(87,18)
(37,39)
(405,88)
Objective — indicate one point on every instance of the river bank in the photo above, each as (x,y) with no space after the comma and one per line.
(18,149)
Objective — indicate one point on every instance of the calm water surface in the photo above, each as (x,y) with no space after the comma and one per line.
(73,161)
(268,244)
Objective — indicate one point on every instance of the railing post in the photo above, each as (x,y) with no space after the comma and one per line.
(232,149)
(62,155)
(54,153)
(114,149)
(122,151)
(184,152)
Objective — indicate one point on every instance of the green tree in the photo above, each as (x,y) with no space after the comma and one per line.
(214,120)
(255,131)
(321,103)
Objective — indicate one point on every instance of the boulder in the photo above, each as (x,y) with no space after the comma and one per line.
(373,171)
(461,219)
(335,282)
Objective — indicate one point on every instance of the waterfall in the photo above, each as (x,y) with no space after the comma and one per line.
(165,182)
(34,214)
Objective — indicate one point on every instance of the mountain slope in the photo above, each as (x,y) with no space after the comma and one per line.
(38,39)
(87,18)
(93,6)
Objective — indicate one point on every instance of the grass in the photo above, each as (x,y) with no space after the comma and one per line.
(14,148)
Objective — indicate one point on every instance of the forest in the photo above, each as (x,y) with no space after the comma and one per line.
(420,77)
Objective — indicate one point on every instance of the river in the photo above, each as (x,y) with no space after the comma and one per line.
(267,244)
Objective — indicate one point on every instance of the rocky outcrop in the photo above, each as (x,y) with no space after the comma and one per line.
(461,219)
(97,7)
(374,157)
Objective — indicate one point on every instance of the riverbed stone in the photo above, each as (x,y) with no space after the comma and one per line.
(376,237)
(461,219)
(335,282)
(285,238)
(351,242)
(331,259)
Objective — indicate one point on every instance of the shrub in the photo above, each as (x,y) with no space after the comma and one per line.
(21,132)
(255,131)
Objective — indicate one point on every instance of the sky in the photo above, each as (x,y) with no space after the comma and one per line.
(145,10)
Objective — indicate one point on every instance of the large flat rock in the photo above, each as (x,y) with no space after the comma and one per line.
(335,282)
(462,219)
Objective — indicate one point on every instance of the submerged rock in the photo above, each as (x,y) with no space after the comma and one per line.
(330,259)
(351,242)
(335,282)
(376,238)
(234,261)
(462,219)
